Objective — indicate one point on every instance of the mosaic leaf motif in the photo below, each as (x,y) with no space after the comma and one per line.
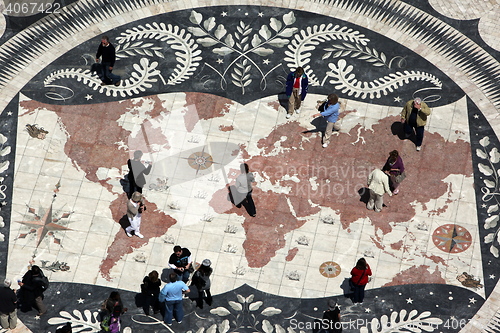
(341,78)
(186,51)
(139,81)
(242,43)
(80,322)
(490,192)
(307,40)
(412,323)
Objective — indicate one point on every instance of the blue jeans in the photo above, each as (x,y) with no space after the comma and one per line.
(107,75)
(184,275)
(359,293)
(173,308)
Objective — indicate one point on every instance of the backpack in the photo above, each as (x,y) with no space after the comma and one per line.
(45,283)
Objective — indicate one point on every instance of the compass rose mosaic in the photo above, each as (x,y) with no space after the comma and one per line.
(452,238)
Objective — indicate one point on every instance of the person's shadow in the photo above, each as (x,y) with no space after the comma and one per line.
(283,100)
(398,129)
(364,195)
(346,288)
(124,222)
(319,124)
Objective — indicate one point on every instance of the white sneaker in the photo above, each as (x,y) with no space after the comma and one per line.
(419,147)
(297,111)
(325,145)
(288,116)
(138,234)
(128,234)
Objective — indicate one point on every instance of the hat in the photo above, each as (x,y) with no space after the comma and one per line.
(332,304)
(206,262)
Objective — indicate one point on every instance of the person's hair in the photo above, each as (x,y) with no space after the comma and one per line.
(114,295)
(361,264)
(417,100)
(136,196)
(299,71)
(172,277)
(35,270)
(7,283)
(205,270)
(333,98)
(153,276)
(138,154)
(244,168)
(393,156)
(177,248)
(106,38)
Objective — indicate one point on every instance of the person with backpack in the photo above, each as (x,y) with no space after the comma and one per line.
(111,310)
(359,279)
(33,285)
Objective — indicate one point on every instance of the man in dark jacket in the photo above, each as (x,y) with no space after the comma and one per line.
(107,51)
(32,288)
(8,315)
(297,84)
(180,261)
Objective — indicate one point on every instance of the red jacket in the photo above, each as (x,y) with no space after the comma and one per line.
(359,276)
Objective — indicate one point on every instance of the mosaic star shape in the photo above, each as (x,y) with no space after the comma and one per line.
(44,225)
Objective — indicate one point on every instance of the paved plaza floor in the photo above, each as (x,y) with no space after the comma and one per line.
(202,90)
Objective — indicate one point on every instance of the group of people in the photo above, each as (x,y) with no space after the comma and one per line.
(413,116)
(171,294)
(385,180)
(28,296)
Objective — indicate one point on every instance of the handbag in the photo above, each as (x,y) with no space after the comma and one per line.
(400,177)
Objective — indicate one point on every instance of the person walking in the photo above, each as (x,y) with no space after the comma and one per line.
(414,116)
(244,190)
(8,303)
(378,184)
(359,279)
(33,284)
(171,296)
(106,50)
(136,172)
(297,84)
(180,261)
(395,169)
(330,110)
(201,280)
(135,208)
(150,288)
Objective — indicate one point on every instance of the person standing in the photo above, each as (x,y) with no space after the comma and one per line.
(171,295)
(106,50)
(8,301)
(180,261)
(395,168)
(201,279)
(135,208)
(136,173)
(359,279)
(414,116)
(244,188)
(330,110)
(378,184)
(297,85)
(112,308)
(331,318)
(33,284)
(151,289)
